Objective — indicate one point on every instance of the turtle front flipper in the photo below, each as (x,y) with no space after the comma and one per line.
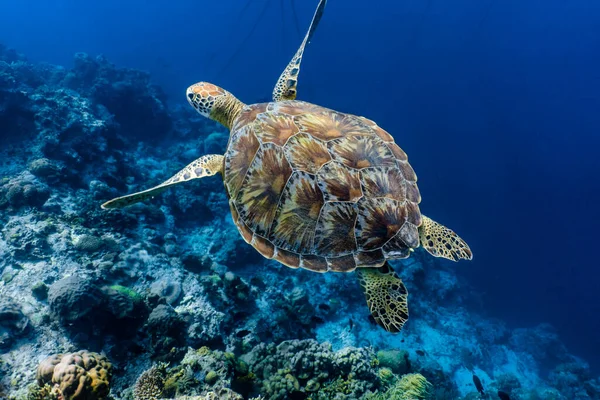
(440,241)
(285,89)
(387,297)
(204,166)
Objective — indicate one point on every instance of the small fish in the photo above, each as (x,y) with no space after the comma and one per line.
(420,352)
(478,384)
(350,323)
(503,395)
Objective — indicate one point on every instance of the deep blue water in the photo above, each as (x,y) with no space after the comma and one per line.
(496,102)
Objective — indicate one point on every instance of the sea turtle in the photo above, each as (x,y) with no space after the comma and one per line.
(317,189)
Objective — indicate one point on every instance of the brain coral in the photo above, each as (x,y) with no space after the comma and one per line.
(81,375)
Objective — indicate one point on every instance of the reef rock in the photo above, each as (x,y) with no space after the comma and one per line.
(13,325)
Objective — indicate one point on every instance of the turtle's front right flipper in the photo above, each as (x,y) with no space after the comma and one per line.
(386,296)
(285,89)
(204,166)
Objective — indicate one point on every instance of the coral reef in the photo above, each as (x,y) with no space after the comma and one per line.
(138,106)
(396,360)
(306,366)
(13,324)
(77,376)
(86,308)
(408,387)
(171,280)
(150,385)
(23,191)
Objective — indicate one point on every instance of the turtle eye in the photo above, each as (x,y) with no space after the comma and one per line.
(191,96)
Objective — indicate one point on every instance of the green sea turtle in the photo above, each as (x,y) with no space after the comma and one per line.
(317,189)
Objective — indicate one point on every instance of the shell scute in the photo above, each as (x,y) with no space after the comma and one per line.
(317,189)
(306,153)
(341,264)
(339,183)
(295,223)
(241,225)
(263,246)
(248,115)
(258,198)
(360,151)
(397,151)
(272,127)
(370,259)
(335,229)
(313,263)
(287,258)
(396,247)
(409,234)
(329,125)
(412,192)
(380,132)
(407,171)
(379,219)
(413,213)
(383,182)
(241,152)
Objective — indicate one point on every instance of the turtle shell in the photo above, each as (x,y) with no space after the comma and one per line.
(319,189)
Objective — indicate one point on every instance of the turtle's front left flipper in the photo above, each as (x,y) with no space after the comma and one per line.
(285,89)
(440,241)
(386,296)
(204,166)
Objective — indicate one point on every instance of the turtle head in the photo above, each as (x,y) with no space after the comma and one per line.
(214,102)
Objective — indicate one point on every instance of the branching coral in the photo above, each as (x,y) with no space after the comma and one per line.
(150,384)
(45,392)
(305,366)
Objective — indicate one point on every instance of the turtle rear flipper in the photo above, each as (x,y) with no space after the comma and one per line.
(285,89)
(440,241)
(387,297)
(204,166)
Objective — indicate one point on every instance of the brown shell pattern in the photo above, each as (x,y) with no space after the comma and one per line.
(318,189)
(298,213)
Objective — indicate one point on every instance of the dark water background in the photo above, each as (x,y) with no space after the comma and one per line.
(496,102)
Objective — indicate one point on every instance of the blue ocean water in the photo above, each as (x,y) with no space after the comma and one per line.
(497,104)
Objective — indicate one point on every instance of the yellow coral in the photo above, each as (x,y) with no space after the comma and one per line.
(409,387)
(415,386)
(80,375)
(203,351)
(339,385)
(386,376)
